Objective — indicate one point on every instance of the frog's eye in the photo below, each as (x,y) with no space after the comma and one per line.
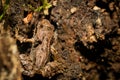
(41,26)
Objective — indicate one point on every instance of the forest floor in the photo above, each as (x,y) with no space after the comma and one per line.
(60,40)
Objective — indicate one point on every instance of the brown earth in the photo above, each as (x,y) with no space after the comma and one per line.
(77,40)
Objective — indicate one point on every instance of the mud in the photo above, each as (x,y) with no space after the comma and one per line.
(78,40)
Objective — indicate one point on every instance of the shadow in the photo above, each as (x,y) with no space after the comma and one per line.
(40,77)
(23,47)
(57,76)
(105,5)
(94,54)
(35,77)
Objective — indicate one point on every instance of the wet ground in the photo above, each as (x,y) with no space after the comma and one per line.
(72,40)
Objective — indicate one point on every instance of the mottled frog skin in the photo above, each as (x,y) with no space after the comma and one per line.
(43,35)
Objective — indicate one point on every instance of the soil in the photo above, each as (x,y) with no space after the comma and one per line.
(76,40)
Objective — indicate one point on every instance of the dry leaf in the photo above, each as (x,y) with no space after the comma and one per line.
(28,18)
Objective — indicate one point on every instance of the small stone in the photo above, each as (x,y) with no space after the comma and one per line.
(118,31)
(98,21)
(54,3)
(73,10)
(93,39)
(46,12)
(111,6)
(96,8)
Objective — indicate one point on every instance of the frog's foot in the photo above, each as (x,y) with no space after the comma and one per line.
(27,65)
(51,69)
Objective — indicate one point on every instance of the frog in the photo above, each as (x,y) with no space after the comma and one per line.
(39,55)
(43,35)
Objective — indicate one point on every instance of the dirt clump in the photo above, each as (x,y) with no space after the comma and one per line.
(77,40)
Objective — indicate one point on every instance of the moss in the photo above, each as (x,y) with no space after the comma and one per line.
(5,7)
(45,6)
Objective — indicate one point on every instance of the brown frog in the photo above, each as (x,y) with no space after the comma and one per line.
(39,54)
(43,35)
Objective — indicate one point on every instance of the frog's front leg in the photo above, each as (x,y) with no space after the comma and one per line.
(23,39)
(26,62)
